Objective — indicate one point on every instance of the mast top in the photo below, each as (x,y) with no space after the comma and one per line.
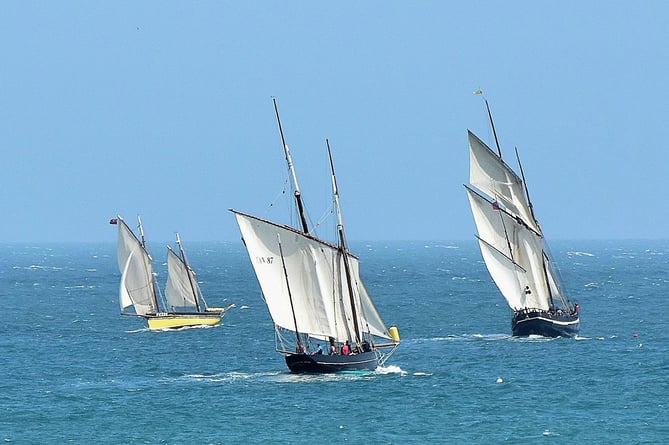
(335,192)
(291,169)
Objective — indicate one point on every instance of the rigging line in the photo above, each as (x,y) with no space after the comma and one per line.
(326,214)
(281,193)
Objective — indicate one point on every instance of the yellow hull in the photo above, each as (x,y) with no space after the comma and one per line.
(174,321)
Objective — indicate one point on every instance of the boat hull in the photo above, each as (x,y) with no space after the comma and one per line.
(171,320)
(545,324)
(323,364)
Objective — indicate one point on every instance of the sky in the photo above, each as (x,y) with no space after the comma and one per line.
(164,109)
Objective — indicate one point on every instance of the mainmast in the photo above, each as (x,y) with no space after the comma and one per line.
(188,272)
(291,169)
(344,247)
(492,124)
(154,285)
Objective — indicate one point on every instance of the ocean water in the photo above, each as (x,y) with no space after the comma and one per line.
(74,371)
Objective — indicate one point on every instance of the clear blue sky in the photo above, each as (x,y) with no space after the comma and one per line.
(163,109)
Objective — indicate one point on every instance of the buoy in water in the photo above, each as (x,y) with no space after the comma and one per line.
(500,380)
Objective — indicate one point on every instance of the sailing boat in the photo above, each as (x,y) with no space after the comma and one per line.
(139,290)
(513,245)
(314,293)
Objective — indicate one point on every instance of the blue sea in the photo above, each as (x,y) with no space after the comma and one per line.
(73,370)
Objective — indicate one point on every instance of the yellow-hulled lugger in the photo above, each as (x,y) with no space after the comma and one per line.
(176,320)
(138,289)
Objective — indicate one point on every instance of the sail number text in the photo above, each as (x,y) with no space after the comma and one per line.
(264,259)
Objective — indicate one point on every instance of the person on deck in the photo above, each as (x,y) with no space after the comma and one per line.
(318,350)
(346,349)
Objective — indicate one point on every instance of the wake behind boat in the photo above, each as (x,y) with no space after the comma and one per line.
(513,246)
(139,292)
(324,319)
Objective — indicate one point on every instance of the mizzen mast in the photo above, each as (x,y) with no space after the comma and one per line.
(344,247)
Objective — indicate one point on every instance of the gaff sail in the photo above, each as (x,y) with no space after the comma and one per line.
(182,290)
(134,262)
(315,270)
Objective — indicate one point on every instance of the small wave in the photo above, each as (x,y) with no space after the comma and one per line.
(469,337)
(489,337)
(422,374)
(580,254)
(391,369)
(230,376)
(534,339)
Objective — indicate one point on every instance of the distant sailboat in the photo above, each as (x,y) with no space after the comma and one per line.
(314,293)
(139,290)
(513,246)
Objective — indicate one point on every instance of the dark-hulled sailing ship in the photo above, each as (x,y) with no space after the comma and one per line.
(313,291)
(513,245)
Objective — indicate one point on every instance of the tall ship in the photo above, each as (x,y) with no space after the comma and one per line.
(513,245)
(324,319)
(139,295)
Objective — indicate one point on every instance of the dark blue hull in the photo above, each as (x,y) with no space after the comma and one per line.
(323,364)
(545,323)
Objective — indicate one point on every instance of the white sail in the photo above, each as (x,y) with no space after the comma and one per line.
(124,297)
(134,263)
(372,321)
(513,253)
(315,289)
(492,176)
(182,289)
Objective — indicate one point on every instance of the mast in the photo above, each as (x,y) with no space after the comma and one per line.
(141,232)
(300,347)
(188,272)
(344,248)
(291,169)
(154,286)
(492,124)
